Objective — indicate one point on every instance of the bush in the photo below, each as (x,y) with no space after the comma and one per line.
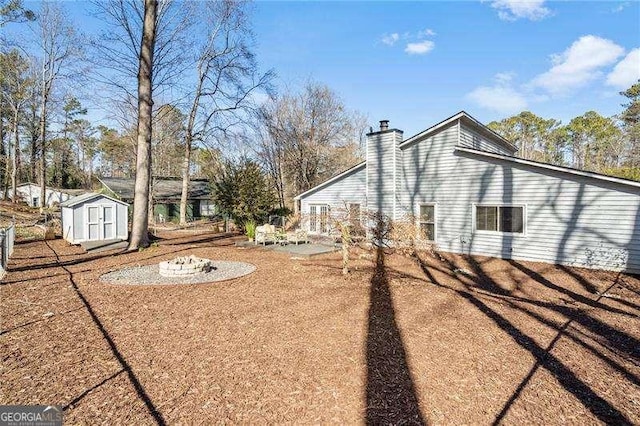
(250,229)
(243,192)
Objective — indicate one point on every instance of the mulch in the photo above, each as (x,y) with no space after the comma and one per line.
(440,339)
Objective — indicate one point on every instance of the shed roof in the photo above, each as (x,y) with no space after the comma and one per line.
(169,189)
(87,197)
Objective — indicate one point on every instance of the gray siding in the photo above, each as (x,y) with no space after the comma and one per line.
(122,216)
(472,139)
(78,223)
(350,188)
(382,151)
(420,178)
(75,222)
(571,220)
(67,223)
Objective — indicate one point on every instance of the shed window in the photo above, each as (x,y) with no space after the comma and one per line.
(500,218)
(427,221)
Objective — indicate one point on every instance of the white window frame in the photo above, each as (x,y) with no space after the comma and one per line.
(474,224)
(318,207)
(435,220)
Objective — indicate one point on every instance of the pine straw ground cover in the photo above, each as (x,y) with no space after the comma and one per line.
(398,340)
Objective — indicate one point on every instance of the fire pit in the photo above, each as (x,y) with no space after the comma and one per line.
(184,265)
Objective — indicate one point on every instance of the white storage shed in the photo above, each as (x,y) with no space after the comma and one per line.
(94,217)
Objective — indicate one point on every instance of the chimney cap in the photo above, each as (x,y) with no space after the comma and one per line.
(384,125)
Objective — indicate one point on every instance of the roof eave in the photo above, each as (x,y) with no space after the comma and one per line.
(332,179)
(562,169)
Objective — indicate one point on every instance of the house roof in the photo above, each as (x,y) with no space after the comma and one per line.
(163,188)
(334,178)
(461,115)
(547,166)
(470,121)
(87,197)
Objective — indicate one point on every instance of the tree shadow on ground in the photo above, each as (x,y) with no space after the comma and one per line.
(391,396)
(480,286)
(140,390)
(178,241)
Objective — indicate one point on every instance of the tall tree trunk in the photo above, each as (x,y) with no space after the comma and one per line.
(188,141)
(185,180)
(34,148)
(16,154)
(43,149)
(140,226)
(4,153)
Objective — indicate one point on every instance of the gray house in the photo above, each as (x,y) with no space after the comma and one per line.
(166,193)
(467,193)
(94,217)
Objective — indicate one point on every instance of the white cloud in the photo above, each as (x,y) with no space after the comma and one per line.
(501,97)
(626,72)
(620,7)
(511,10)
(390,39)
(426,33)
(416,43)
(419,48)
(578,65)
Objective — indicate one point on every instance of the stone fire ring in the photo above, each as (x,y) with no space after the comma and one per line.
(184,266)
(218,270)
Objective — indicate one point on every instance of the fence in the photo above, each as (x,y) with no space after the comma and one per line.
(7,238)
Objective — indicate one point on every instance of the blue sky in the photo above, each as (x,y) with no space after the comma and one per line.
(416,63)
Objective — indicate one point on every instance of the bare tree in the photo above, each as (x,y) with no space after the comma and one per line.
(226,77)
(155,60)
(15,93)
(60,51)
(308,137)
(139,234)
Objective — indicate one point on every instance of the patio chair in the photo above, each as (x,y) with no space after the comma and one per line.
(297,237)
(265,234)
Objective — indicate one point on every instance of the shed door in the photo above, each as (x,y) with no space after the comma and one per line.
(108,222)
(93,222)
(101,223)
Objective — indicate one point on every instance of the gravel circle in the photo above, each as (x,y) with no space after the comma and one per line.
(222,270)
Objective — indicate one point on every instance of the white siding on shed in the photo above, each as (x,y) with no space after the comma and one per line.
(111,218)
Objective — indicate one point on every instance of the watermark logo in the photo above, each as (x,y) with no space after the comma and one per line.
(30,415)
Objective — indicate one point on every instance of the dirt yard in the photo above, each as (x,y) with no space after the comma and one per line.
(399,340)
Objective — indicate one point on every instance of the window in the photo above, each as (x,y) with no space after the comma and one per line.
(427,221)
(500,218)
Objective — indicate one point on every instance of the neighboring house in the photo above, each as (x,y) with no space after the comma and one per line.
(166,194)
(469,194)
(94,217)
(30,193)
